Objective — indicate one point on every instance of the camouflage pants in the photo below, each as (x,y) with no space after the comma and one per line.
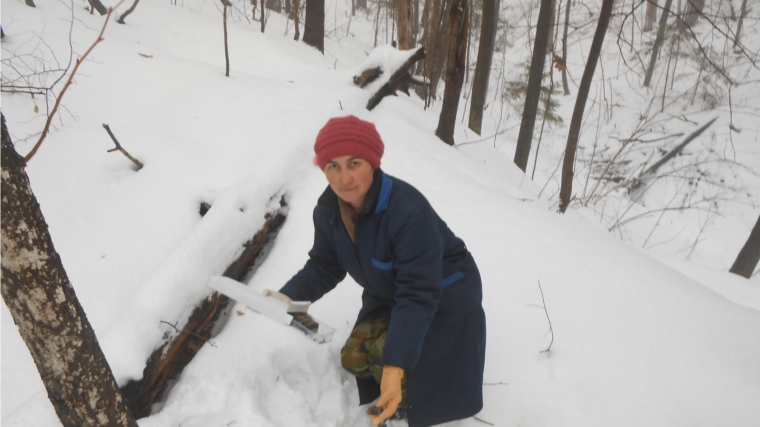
(362,355)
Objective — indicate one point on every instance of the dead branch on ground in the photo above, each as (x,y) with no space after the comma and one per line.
(120,148)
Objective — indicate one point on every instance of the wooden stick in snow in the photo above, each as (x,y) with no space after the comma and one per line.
(119,148)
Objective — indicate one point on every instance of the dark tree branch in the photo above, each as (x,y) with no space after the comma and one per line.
(119,148)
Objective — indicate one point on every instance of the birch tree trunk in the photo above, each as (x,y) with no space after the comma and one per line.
(455,70)
(566,187)
(483,66)
(43,304)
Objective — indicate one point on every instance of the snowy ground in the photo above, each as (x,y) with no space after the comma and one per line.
(641,337)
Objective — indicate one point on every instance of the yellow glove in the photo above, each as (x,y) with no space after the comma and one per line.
(277,295)
(390,393)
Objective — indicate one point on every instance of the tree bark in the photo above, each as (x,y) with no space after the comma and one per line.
(127,12)
(314,24)
(44,306)
(658,42)
(749,256)
(483,65)
(431,67)
(97,5)
(742,14)
(651,16)
(553,24)
(226,49)
(295,19)
(565,87)
(693,11)
(404,13)
(566,187)
(533,92)
(455,71)
(399,77)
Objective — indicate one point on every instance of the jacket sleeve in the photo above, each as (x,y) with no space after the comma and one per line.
(418,254)
(322,271)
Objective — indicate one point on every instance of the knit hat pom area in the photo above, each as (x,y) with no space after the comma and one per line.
(348,136)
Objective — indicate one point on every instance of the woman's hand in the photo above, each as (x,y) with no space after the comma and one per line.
(277,295)
(390,393)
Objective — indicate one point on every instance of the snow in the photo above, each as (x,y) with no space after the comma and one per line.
(641,337)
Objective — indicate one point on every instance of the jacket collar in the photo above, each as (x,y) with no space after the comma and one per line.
(376,201)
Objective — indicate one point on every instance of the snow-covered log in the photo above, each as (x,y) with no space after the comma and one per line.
(169,360)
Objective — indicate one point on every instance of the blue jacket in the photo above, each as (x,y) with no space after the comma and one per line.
(406,259)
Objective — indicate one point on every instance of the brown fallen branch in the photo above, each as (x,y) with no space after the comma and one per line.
(168,361)
(399,78)
(120,148)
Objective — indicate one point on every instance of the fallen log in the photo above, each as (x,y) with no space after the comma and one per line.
(169,360)
(400,78)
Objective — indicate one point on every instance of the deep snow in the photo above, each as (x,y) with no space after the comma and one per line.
(639,340)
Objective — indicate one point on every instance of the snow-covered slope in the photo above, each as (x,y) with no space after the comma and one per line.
(636,342)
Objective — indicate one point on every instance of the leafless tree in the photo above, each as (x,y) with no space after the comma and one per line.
(749,256)
(127,12)
(488,26)
(580,105)
(650,15)
(658,42)
(533,91)
(455,71)
(314,24)
(742,14)
(404,27)
(564,48)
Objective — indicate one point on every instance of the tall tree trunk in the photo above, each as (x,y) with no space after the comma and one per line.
(749,256)
(566,187)
(415,22)
(226,49)
(97,5)
(404,13)
(44,306)
(693,11)
(658,42)
(127,12)
(742,14)
(455,71)
(263,18)
(361,4)
(490,19)
(565,87)
(553,24)
(651,15)
(533,92)
(295,19)
(435,46)
(314,24)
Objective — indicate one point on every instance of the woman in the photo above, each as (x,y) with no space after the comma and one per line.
(420,336)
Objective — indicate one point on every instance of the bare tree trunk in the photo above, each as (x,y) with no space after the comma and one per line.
(361,4)
(651,15)
(483,66)
(226,49)
(435,45)
(415,22)
(127,12)
(295,19)
(565,87)
(658,42)
(533,92)
(693,11)
(553,24)
(97,5)
(749,256)
(44,306)
(404,12)
(566,187)
(742,14)
(314,24)
(455,71)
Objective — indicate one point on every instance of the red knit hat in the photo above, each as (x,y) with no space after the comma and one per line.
(348,136)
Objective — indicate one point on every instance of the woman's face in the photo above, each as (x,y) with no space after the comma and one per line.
(350,178)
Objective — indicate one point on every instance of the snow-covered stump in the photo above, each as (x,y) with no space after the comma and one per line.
(400,77)
(167,362)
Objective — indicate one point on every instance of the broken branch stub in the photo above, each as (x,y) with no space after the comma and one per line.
(120,148)
(169,360)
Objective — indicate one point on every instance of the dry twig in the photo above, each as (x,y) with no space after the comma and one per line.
(66,86)
(119,148)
